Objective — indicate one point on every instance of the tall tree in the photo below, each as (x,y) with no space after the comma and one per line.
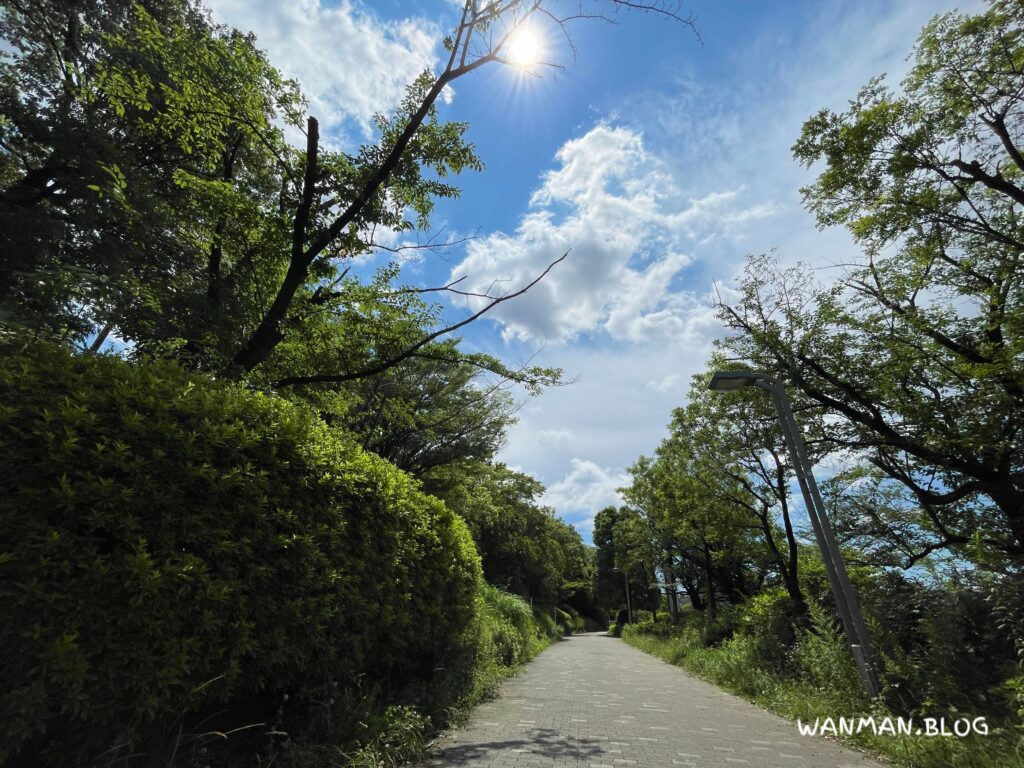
(919,351)
(146,187)
(523,547)
(740,437)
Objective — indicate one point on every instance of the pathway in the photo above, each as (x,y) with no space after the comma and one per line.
(591,700)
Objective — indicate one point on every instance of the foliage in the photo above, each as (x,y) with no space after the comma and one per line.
(142,163)
(523,547)
(908,371)
(431,412)
(260,573)
(915,353)
(146,188)
(619,561)
(710,509)
(771,620)
(819,680)
(176,547)
(359,727)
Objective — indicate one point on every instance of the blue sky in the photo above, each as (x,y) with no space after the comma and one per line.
(658,161)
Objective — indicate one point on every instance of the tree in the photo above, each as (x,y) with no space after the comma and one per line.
(430,412)
(880,521)
(647,494)
(96,216)
(625,559)
(523,547)
(918,350)
(609,590)
(146,187)
(740,435)
(707,528)
(411,140)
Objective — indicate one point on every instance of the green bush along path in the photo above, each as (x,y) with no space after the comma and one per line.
(591,700)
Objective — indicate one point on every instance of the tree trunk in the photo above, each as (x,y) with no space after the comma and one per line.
(709,578)
(670,590)
(693,592)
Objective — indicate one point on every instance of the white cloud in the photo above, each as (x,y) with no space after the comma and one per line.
(611,414)
(627,228)
(554,436)
(670,382)
(350,63)
(723,148)
(587,488)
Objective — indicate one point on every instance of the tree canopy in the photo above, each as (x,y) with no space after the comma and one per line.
(917,352)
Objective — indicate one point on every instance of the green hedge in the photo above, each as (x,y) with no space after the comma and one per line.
(172,547)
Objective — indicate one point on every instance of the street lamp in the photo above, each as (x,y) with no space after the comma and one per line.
(835,567)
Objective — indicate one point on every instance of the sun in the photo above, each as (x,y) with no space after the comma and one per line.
(524,48)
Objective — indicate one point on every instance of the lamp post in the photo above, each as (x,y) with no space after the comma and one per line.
(835,567)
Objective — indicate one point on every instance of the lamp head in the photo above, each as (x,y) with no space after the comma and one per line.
(730,381)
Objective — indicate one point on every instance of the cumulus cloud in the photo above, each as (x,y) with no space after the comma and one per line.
(586,487)
(629,233)
(350,63)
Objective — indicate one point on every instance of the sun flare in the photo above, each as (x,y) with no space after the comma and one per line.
(524,48)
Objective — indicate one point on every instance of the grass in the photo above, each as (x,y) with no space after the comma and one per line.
(827,687)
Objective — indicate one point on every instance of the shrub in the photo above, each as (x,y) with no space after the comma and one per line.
(823,660)
(174,546)
(621,619)
(944,646)
(716,629)
(547,625)
(504,634)
(770,619)
(662,629)
(565,621)
(571,620)
(507,625)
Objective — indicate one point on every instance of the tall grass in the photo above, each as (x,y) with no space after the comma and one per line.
(498,605)
(820,680)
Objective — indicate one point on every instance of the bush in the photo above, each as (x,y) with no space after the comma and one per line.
(662,629)
(507,625)
(944,646)
(571,620)
(822,659)
(174,547)
(621,620)
(771,619)
(549,628)
(504,634)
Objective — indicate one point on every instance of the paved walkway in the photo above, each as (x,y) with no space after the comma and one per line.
(591,700)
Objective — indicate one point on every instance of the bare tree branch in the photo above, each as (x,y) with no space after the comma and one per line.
(292,381)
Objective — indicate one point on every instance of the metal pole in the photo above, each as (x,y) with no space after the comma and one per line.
(629,606)
(832,558)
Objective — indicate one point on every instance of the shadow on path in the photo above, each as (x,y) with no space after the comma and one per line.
(585,702)
(545,742)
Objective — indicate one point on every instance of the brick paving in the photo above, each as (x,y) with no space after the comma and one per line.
(591,700)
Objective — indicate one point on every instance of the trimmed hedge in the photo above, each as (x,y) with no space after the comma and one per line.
(172,546)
